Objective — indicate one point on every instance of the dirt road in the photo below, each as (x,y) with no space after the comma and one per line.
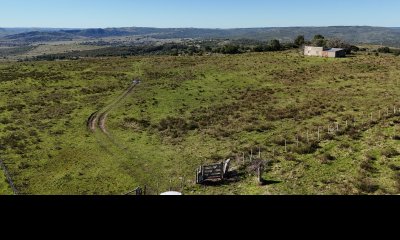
(99,119)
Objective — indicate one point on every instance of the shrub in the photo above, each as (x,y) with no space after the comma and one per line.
(368,166)
(299,41)
(384,50)
(230,49)
(366,185)
(306,148)
(394,167)
(396,137)
(327,158)
(390,152)
(176,127)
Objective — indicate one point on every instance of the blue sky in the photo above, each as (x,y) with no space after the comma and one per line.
(197,13)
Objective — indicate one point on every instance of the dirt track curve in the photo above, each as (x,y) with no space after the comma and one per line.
(98,119)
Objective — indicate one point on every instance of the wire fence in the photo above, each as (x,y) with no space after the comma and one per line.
(8,176)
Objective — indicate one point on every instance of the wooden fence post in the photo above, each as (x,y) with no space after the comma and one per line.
(259,174)
(285,146)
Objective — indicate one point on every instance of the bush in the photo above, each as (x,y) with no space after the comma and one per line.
(390,152)
(327,158)
(176,127)
(397,137)
(384,50)
(275,45)
(299,41)
(367,186)
(230,49)
(368,166)
(306,148)
(258,48)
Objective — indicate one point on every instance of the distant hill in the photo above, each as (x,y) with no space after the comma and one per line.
(12,31)
(352,34)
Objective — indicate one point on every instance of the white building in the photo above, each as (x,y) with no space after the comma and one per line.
(324,52)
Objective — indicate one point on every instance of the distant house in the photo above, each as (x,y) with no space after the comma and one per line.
(324,52)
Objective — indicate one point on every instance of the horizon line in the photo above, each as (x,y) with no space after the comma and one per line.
(216,28)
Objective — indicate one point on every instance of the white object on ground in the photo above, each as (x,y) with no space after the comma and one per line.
(171,193)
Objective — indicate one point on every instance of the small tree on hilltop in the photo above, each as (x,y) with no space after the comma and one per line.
(231,49)
(338,43)
(275,45)
(319,37)
(299,41)
(384,50)
(319,41)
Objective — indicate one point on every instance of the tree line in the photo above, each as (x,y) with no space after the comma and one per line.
(215,46)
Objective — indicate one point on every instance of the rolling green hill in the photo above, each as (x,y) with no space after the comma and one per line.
(322,126)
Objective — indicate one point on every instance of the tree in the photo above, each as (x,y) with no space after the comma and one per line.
(338,43)
(275,45)
(384,50)
(299,41)
(319,41)
(230,49)
(259,48)
(354,48)
(319,37)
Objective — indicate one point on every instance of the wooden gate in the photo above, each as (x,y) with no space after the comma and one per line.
(212,172)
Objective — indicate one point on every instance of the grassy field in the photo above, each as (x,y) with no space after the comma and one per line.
(7,54)
(195,110)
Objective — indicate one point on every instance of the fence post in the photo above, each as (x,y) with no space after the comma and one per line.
(285,146)
(182,183)
(259,174)
(8,177)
